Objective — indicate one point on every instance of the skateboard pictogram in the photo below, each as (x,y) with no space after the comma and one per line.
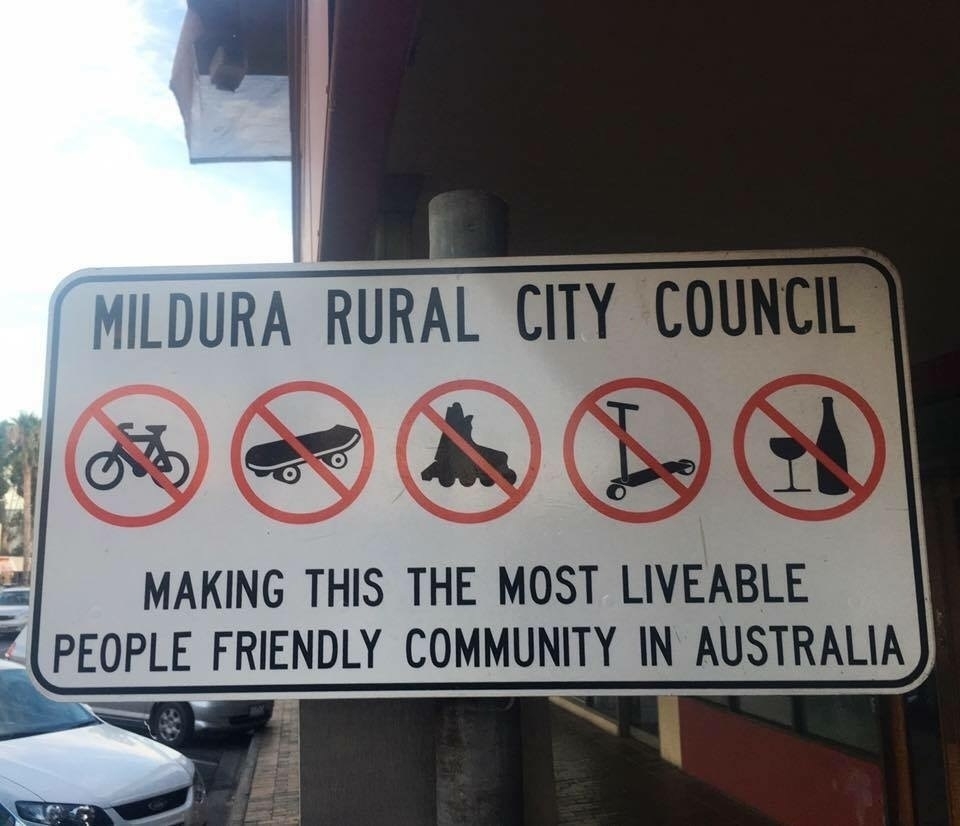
(282,460)
(260,460)
(144,453)
(457,461)
(848,446)
(656,488)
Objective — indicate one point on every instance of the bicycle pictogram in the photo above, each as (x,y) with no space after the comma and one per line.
(104,470)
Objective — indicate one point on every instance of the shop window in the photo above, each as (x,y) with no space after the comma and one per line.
(637,717)
(643,715)
(849,720)
(717,700)
(607,706)
(777,708)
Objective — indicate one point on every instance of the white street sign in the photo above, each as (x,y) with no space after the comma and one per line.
(685,473)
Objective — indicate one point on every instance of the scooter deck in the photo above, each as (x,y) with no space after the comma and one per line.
(683,467)
(271,456)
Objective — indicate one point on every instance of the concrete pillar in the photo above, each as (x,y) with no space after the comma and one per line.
(467,223)
(479,763)
(367,763)
(494,757)
(371,762)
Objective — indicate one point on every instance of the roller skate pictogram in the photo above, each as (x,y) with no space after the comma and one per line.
(451,464)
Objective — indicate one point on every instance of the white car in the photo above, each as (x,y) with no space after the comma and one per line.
(61,765)
(14,609)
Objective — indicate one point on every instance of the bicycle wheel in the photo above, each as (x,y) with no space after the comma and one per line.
(179,468)
(104,470)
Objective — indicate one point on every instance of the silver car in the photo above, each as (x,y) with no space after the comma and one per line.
(14,609)
(172,722)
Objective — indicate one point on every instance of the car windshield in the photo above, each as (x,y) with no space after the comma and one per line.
(14,598)
(24,711)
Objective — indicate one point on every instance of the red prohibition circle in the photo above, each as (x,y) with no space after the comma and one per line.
(468,517)
(589,402)
(348,496)
(95,411)
(759,400)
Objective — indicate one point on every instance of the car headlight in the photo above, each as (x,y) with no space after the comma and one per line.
(199,787)
(62,814)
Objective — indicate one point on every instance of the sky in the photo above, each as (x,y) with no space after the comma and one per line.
(96,170)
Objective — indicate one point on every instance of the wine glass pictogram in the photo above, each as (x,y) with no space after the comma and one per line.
(788,449)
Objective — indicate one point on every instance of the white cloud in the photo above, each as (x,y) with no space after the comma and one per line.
(72,67)
(96,171)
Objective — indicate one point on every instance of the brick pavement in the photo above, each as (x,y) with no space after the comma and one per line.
(275,791)
(602,780)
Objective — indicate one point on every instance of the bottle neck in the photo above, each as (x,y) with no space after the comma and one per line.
(828,417)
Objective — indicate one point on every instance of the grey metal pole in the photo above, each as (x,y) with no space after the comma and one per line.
(479,753)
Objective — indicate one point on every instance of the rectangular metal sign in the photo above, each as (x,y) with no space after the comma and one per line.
(684,473)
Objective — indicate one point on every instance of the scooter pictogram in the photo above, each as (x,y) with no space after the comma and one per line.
(104,470)
(452,464)
(617,488)
(283,462)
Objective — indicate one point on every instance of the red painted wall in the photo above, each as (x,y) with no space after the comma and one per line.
(796,781)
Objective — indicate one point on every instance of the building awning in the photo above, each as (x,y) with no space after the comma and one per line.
(231,81)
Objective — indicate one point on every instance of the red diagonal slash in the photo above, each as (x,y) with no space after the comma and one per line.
(469,450)
(137,454)
(638,450)
(287,435)
(791,429)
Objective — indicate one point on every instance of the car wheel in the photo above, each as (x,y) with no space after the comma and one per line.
(172,723)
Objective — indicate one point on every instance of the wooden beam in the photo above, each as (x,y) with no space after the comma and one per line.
(371,45)
(941,499)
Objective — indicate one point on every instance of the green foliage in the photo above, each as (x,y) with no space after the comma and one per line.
(13,533)
(19,457)
(5,453)
(23,454)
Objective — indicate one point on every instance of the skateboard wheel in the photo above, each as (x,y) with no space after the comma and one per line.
(289,474)
(616,492)
(337,460)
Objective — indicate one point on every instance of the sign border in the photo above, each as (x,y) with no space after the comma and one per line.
(508,267)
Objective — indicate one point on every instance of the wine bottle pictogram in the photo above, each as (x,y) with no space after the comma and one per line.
(830,441)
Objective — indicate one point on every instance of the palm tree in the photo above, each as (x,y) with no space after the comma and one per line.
(22,457)
(4,485)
